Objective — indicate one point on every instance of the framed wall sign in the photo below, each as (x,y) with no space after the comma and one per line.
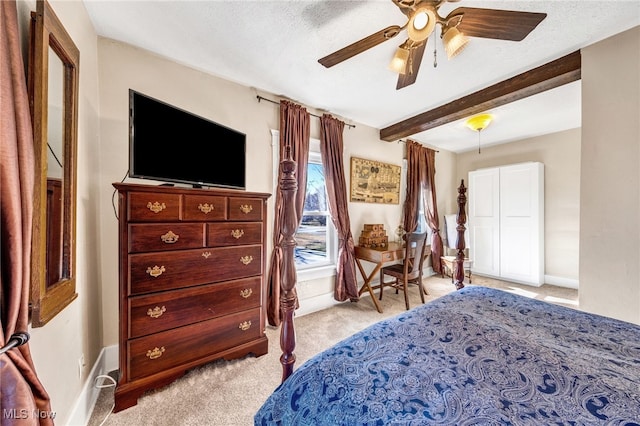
(374,182)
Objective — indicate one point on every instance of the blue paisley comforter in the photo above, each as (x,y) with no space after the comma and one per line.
(478,356)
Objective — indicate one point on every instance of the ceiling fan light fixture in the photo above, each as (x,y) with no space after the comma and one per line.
(454,42)
(421,24)
(479,122)
(399,62)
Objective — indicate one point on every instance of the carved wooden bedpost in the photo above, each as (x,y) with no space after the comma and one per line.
(461,219)
(288,278)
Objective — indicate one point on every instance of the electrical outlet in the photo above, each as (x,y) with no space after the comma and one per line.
(81,365)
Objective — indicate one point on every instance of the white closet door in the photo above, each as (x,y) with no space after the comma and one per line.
(484,221)
(521,214)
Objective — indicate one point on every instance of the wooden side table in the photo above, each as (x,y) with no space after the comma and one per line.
(448,264)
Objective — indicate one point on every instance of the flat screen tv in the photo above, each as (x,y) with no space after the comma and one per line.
(169,144)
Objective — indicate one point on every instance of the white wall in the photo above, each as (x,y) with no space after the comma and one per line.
(610,179)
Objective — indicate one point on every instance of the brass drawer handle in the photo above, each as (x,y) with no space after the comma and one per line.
(206,208)
(206,254)
(155,353)
(170,238)
(155,271)
(156,312)
(246,259)
(156,207)
(237,233)
(245,325)
(246,208)
(245,293)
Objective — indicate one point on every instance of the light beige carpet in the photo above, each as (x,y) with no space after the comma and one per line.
(228,393)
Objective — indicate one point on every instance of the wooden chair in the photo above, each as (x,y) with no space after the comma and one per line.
(408,272)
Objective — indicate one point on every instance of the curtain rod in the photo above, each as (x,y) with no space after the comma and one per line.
(261,98)
(403,141)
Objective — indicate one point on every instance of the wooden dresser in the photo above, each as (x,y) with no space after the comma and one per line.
(192,288)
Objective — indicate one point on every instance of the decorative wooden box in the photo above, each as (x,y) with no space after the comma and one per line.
(373,236)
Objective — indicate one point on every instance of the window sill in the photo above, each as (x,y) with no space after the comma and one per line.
(316,273)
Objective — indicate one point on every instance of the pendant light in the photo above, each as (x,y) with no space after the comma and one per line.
(478,123)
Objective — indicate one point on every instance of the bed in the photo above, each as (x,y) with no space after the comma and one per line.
(477,356)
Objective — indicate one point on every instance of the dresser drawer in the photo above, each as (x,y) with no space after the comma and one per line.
(204,207)
(158,352)
(171,309)
(233,234)
(165,236)
(159,271)
(245,209)
(151,207)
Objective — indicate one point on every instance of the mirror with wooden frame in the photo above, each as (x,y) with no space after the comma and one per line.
(53,95)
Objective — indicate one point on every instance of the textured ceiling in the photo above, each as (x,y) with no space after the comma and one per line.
(274,46)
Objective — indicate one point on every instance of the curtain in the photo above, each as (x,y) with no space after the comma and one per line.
(331,148)
(421,172)
(414,187)
(23,395)
(294,137)
(431,208)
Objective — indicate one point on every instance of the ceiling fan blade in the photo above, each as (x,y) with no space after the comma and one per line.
(498,24)
(360,46)
(413,66)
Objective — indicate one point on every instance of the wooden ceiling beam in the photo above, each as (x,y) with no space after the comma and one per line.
(549,76)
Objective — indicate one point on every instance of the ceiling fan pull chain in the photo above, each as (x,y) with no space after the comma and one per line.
(435,48)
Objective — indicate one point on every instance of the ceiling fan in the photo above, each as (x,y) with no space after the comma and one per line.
(423,17)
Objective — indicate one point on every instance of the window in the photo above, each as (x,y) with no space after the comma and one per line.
(422,221)
(316,249)
(315,236)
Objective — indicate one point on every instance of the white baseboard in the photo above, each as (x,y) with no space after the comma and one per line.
(316,303)
(561,282)
(548,279)
(107,361)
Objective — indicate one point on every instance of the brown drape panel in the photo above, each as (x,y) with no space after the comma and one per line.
(21,389)
(421,172)
(414,186)
(331,148)
(431,209)
(294,135)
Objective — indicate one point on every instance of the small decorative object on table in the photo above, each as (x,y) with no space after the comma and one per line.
(399,234)
(373,235)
